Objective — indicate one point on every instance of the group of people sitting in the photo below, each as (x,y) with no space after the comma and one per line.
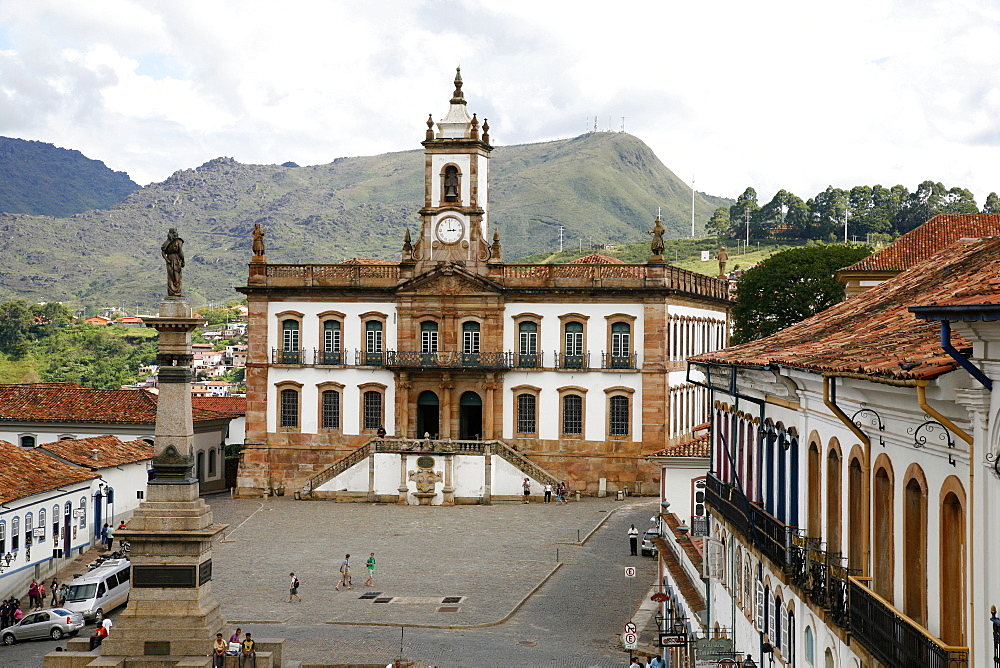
(100,633)
(244,648)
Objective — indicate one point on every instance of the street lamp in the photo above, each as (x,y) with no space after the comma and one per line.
(749,662)
(5,561)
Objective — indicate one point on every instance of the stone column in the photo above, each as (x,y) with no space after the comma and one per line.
(490,386)
(171,609)
(403,406)
(448,491)
(402,489)
(446,386)
(488,486)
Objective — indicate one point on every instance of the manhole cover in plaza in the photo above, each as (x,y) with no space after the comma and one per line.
(448,608)
(384,599)
(527,643)
(452,599)
(371,594)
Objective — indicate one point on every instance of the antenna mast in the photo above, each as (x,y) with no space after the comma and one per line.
(692,206)
(560,238)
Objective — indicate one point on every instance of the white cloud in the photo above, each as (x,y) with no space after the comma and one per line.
(779,94)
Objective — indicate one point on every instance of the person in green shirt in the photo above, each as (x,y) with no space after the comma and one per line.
(370,564)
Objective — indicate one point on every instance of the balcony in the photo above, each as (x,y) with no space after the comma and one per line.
(618,361)
(529,361)
(328,357)
(894,639)
(286,356)
(447,360)
(749,519)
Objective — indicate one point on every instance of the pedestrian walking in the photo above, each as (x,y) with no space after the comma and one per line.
(526,486)
(633,539)
(345,573)
(111,538)
(293,589)
(33,594)
(548,492)
(219,648)
(104,536)
(41,594)
(63,590)
(55,592)
(563,491)
(370,565)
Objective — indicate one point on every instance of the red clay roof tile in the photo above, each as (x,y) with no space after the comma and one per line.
(596,258)
(873,332)
(696,447)
(231,405)
(26,471)
(111,451)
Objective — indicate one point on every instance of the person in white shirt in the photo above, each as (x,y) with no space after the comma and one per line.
(633,540)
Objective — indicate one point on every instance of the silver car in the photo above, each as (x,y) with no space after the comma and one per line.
(648,549)
(54,623)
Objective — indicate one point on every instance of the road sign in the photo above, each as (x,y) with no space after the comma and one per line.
(630,640)
(673,639)
(629,627)
(630,571)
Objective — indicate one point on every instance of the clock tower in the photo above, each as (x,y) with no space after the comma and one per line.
(455,215)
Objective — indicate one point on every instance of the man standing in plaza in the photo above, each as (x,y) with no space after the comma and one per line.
(370,565)
(633,539)
(293,589)
(345,573)
(526,485)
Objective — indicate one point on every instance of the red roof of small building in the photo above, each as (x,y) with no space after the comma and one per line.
(66,402)
(696,447)
(596,258)
(231,405)
(874,333)
(111,451)
(924,241)
(367,260)
(26,471)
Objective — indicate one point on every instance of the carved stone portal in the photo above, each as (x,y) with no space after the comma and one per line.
(426,478)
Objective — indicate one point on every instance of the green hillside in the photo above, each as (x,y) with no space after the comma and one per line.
(600,187)
(42,179)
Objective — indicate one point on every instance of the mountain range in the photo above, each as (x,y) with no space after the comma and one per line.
(599,188)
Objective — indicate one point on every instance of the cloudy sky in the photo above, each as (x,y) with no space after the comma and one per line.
(796,95)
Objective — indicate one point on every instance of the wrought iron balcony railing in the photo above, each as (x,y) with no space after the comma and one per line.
(766,532)
(328,357)
(529,361)
(286,356)
(564,361)
(448,359)
(893,638)
(618,361)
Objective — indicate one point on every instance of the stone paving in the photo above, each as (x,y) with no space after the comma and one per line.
(519,606)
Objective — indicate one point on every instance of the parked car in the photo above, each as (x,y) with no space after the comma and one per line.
(101,590)
(54,623)
(648,549)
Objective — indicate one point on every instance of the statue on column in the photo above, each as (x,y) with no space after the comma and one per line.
(657,245)
(258,240)
(173,252)
(722,256)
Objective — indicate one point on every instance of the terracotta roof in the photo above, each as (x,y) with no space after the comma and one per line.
(27,471)
(66,402)
(874,332)
(596,258)
(231,405)
(692,592)
(367,260)
(110,451)
(924,241)
(696,447)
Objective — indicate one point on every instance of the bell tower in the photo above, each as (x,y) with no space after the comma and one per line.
(455,215)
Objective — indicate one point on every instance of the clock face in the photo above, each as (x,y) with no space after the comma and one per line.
(450,230)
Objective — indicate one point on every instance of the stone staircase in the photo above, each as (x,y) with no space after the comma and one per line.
(430,446)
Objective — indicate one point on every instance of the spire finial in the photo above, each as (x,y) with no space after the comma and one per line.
(457,97)
(430,127)
(486,131)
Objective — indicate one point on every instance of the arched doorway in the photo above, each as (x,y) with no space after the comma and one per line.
(428,420)
(470,416)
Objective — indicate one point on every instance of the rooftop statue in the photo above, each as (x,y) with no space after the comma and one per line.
(173,252)
(258,240)
(657,245)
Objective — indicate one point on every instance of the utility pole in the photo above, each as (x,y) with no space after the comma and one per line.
(845,227)
(692,206)
(747,212)
(560,238)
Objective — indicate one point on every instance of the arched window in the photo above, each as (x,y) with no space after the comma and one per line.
(372,409)
(527,413)
(789,643)
(833,511)
(29,524)
(332,342)
(41,525)
(915,550)
(3,537)
(211,463)
(953,563)
(330,409)
(289,408)
(428,336)
(621,345)
(810,646)
(373,342)
(55,523)
(573,349)
(815,492)
(768,604)
(200,466)
(572,417)
(828,659)
(883,540)
(738,577)
(470,337)
(776,624)
(857,515)
(28,441)
(527,344)
(452,184)
(290,335)
(15,534)
(618,415)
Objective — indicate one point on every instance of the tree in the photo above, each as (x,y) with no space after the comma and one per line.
(747,202)
(789,287)
(16,321)
(992,204)
(719,223)
(828,209)
(930,199)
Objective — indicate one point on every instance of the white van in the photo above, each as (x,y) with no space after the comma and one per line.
(100,591)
